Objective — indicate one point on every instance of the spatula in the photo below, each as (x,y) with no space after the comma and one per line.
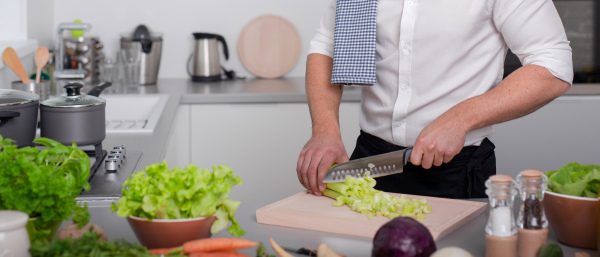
(41,58)
(9,56)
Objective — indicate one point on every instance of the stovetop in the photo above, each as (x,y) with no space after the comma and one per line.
(106,184)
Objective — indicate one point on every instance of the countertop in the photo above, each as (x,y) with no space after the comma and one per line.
(254,90)
(182,91)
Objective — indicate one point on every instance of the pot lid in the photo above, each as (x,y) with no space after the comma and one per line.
(74,98)
(11,220)
(140,34)
(16,97)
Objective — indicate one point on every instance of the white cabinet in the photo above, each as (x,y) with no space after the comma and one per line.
(261,142)
(566,130)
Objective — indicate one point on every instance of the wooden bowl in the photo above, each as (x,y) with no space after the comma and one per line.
(573,219)
(164,233)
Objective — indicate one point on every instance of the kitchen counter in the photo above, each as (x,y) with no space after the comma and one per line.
(254,90)
(469,237)
(182,91)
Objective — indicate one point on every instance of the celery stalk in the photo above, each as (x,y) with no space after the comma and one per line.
(361,196)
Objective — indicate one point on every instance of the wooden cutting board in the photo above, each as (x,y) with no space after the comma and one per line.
(307,211)
(269,46)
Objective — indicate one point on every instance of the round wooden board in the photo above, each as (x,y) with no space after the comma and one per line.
(269,46)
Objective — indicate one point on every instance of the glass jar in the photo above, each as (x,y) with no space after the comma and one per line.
(501,190)
(532,184)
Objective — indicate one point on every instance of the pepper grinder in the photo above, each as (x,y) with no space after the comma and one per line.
(533,226)
(501,229)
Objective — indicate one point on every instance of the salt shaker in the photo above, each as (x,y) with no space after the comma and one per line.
(14,240)
(531,222)
(501,229)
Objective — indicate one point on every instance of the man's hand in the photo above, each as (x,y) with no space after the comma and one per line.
(316,158)
(438,143)
(522,92)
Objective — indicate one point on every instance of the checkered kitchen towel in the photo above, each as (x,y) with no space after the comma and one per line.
(354,43)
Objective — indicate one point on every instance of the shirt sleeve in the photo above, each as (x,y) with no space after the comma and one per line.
(532,29)
(322,42)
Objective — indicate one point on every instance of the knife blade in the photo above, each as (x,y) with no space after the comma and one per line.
(377,166)
(303,251)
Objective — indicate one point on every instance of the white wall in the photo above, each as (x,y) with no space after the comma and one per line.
(13,20)
(178,19)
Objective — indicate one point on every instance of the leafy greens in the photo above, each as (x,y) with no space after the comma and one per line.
(44,183)
(90,244)
(160,193)
(575,179)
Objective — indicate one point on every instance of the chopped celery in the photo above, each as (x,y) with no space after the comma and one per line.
(361,196)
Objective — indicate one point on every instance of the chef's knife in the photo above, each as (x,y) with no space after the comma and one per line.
(302,251)
(377,166)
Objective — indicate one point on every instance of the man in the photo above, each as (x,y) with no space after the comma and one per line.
(439,89)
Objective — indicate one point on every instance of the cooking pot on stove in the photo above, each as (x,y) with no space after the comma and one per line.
(75,117)
(18,116)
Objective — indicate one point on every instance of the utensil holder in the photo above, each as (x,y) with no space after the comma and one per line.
(42,89)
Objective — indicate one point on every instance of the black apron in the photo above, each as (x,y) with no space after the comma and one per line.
(463,177)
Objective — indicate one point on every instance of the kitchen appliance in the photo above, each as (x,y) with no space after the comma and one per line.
(108,172)
(308,211)
(206,65)
(376,166)
(18,116)
(75,117)
(149,45)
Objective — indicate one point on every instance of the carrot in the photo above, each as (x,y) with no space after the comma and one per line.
(217,244)
(165,250)
(224,253)
(278,250)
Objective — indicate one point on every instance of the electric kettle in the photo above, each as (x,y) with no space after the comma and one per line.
(206,65)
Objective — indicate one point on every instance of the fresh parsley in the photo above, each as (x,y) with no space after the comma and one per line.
(43,183)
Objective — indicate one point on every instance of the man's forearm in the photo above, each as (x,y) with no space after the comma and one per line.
(323,97)
(522,92)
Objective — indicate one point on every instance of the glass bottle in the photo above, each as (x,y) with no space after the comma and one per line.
(501,228)
(532,223)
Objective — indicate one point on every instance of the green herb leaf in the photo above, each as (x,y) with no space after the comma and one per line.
(43,183)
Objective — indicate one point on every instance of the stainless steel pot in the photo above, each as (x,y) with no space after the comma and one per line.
(18,116)
(75,117)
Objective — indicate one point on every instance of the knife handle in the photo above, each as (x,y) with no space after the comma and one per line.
(407,155)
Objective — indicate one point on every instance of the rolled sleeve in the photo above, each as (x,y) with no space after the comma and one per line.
(322,42)
(532,29)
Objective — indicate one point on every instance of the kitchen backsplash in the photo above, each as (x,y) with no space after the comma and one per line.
(177,19)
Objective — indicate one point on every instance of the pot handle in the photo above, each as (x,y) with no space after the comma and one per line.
(98,89)
(225,50)
(5,116)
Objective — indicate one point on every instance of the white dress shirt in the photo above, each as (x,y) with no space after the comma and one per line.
(434,54)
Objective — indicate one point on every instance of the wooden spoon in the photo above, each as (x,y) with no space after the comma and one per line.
(41,58)
(9,56)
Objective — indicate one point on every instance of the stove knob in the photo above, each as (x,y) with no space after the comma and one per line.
(111,164)
(121,148)
(116,157)
(118,153)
